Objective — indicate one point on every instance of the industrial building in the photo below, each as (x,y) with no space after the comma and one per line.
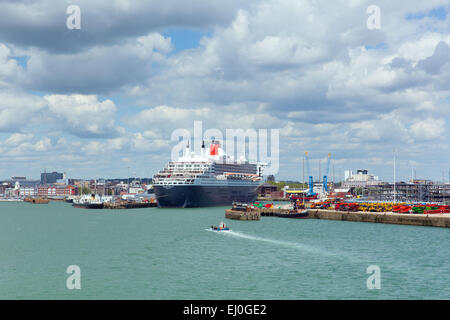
(51,177)
(408,192)
(361,178)
(267,190)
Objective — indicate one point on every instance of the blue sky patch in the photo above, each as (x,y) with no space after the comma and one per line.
(379,46)
(183,38)
(439,13)
(21,60)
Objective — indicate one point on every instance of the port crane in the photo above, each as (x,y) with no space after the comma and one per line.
(311,179)
(325,177)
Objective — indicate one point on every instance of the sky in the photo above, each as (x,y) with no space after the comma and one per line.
(104,100)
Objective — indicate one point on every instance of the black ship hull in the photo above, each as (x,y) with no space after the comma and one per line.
(203,196)
(88,205)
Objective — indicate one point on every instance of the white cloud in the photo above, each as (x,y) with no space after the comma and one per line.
(10,71)
(19,144)
(18,109)
(428,129)
(97,69)
(18,138)
(83,115)
(147,45)
(422,47)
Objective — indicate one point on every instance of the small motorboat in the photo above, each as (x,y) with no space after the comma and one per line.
(222,227)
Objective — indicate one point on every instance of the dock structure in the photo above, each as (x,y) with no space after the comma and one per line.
(429,220)
(36,200)
(128,205)
(279,199)
(242,215)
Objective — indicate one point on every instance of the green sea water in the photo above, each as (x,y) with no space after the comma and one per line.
(170,254)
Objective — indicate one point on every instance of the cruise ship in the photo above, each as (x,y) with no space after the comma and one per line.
(209,179)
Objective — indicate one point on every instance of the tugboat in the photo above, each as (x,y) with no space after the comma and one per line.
(222,227)
(88,202)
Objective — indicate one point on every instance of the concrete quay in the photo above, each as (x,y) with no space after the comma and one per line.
(428,220)
(242,215)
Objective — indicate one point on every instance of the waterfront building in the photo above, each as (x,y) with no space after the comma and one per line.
(56,190)
(361,178)
(51,177)
(27,191)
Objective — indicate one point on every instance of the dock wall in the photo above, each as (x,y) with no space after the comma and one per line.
(435,220)
(428,220)
(242,215)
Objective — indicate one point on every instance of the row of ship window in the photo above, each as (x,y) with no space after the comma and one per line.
(187,165)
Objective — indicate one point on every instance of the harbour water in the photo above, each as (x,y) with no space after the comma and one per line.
(156,253)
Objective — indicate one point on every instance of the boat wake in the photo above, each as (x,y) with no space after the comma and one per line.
(288,244)
(309,249)
(219,231)
(273,241)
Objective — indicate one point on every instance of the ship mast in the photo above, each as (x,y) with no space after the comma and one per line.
(304,182)
(203,148)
